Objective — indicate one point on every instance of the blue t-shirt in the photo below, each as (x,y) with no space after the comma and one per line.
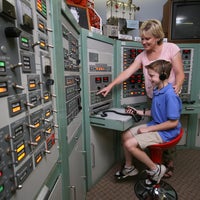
(166,105)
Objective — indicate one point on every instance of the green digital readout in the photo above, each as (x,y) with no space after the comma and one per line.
(2,66)
(24,40)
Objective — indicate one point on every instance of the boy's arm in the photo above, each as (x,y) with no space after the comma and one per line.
(143,112)
(159,127)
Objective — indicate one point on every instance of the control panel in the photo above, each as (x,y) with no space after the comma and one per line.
(133,89)
(100,69)
(187,57)
(72,77)
(28,126)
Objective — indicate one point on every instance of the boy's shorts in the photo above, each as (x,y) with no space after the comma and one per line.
(145,139)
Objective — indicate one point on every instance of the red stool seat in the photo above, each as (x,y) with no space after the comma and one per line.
(156,150)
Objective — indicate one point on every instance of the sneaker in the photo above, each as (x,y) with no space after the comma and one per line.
(155,177)
(126,171)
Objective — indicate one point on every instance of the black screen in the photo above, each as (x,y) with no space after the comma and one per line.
(185,21)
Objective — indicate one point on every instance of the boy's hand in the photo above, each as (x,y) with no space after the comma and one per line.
(131,110)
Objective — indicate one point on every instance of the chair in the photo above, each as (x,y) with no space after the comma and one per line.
(162,190)
(156,150)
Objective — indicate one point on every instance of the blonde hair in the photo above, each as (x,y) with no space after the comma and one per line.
(155,28)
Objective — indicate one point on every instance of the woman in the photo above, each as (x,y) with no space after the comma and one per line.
(152,35)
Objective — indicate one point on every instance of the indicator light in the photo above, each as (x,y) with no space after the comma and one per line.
(3,89)
(16,107)
(21,156)
(2,66)
(1,188)
(38,158)
(24,40)
(20,148)
(38,138)
(48,113)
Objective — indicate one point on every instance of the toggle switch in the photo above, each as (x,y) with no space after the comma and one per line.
(12,32)
(47,151)
(18,86)
(50,46)
(15,66)
(9,151)
(49,29)
(8,137)
(46,120)
(29,104)
(35,44)
(31,126)
(53,95)
(33,143)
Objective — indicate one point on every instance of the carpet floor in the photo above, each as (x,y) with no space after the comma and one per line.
(185,180)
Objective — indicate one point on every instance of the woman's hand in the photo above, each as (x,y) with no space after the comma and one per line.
(177,89)
(104,91)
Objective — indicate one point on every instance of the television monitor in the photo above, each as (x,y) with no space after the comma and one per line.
(183,21)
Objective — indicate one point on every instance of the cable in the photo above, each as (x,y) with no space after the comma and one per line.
(135,117)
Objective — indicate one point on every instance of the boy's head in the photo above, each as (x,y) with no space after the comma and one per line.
(161,67)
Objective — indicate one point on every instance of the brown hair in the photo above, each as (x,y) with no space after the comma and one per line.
(162,67)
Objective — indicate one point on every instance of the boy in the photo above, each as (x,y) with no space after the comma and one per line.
(164,126)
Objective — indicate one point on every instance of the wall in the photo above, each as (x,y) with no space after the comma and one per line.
(148,9)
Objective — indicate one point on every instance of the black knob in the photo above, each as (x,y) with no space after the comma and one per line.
(12,32)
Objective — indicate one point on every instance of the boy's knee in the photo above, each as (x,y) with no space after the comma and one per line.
(126,136)
(129,144)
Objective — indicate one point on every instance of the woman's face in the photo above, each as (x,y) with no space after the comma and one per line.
(148,41)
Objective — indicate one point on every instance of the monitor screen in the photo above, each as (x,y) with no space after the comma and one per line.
(185,20)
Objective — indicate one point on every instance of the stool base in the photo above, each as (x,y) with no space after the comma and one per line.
(162,191)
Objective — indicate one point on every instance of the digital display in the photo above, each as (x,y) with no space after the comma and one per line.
(16,107)
(32,84)
(48,113)
(100,68)
(105,79)
(34,100)
(24,40)
(97,79)
(41,26)
(46,96)
(22,155)
(38,158)
(42,44)
(3,87)
(37,123)
(2,66)
(18,131)
(48,130)
(41,7)
(38,138)
(20,148)
(1,188)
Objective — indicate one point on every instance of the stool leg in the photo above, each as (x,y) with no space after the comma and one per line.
(156,154)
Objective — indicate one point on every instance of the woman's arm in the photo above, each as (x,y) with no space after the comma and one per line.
(121,77)
(177,64)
